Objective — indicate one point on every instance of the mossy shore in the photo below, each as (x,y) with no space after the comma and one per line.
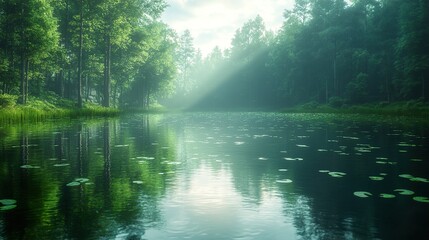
(398,109)
(38,109)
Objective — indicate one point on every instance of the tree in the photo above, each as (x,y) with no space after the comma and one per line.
(115,21)
(184,56)
(32,35)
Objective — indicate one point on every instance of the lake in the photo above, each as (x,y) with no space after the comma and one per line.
(215,176)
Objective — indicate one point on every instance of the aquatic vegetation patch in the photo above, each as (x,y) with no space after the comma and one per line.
(293,159)
(78,181)
(61,164)
(73,184)
(404,191)
(8,204)
(284,181)
(29,166)
(362,194)
(413,178)
(337,174)
(376,178)
(386,195)
(302,145)
(421,199)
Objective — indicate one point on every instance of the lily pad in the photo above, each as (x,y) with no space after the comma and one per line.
(302,145)
(362,194)
(404,191)
(7,201)
(386,195)
(337,174)
(376,178)
(61,164)
(81,180)
(419,179)
(7,207)
(409,176)
(29,166)
(284,181)
(73,184)
(421,199)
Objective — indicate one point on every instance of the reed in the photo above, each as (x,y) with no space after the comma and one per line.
(38,110)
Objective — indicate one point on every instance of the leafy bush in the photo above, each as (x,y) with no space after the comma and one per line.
(336,102)
(310,105)
(7,100)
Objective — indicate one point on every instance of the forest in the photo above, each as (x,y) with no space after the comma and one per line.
(119,54)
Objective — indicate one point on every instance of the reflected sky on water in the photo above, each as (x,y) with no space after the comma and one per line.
(214,176)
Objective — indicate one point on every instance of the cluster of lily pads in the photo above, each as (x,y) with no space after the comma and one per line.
(364,194)
(78,181)
(7,204)
(333,173)
(414,179)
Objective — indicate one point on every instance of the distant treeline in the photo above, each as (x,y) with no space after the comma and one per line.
(327,51)
(118,53)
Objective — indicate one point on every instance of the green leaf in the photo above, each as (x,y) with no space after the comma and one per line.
(376,178)
(362,194)
(406,176)
(337,174)
(385,195)
(81,180)
(284,181)
(61,164)
(73,184)
(7,207)
(29,166)
(7,201)
(421,199)
(419,179)
(404,191)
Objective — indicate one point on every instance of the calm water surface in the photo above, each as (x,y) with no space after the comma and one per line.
(214,176)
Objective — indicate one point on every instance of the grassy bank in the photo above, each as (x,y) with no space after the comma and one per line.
(50,107)
(415,109)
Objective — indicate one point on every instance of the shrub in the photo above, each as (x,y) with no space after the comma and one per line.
(336,102)
(7,100)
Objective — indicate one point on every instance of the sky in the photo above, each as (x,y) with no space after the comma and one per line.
(213,22)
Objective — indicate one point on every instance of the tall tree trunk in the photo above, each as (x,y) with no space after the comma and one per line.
(22,79)
(79,73)
(107,56)
(27,70)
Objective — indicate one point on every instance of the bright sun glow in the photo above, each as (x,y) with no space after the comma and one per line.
(214,22)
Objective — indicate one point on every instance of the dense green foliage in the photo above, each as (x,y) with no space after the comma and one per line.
(328,52)
(85,51)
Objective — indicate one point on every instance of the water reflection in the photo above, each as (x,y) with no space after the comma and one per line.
(212,176)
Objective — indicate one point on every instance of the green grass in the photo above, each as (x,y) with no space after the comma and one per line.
(51,107)
(404,109)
